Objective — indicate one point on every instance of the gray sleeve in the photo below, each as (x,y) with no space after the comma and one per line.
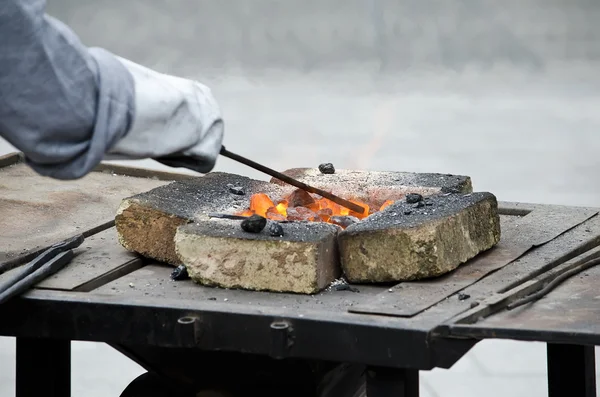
(62,104)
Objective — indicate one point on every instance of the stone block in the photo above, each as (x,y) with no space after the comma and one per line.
(146,223)
(219,253)
(376,187)
(416,241)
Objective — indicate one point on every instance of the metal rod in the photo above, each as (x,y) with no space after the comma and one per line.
(300,185)
(45,271)
(552,284)
(227,216)
(239,217)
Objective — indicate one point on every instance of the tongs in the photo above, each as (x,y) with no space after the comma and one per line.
(44,265)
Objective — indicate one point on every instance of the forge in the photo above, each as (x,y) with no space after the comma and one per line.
(415,226)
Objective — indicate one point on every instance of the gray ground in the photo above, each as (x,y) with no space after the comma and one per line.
(505,92)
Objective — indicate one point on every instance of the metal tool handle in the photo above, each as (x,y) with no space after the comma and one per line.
(48,269)
(41,259)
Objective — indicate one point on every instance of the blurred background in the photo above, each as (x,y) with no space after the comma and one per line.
(505,92)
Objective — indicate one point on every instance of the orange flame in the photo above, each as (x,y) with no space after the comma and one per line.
(260,204)
(321,210)
(386,204)
(282,207)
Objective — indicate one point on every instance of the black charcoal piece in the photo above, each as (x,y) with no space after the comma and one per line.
(327,168)
(179,273)
(254,224)
(275,229)
(463,296)
(238,190)
(412,198)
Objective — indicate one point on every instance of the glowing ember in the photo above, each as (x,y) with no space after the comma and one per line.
(302,206)
(384,205)
(260,204)
(301,214)
(273,214)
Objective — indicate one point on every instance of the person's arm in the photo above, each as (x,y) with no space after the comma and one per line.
(67,107)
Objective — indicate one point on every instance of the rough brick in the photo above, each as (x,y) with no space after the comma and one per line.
(220,253)
(146,223)
(375,187)
(405,242)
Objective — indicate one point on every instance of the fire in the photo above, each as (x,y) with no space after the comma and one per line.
(260,203)
(302,206)
(384,205)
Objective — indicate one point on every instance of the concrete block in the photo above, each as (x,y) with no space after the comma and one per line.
(376,187)
(146,223)
(416,241)
(219,253)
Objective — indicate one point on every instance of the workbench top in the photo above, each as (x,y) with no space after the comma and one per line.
(109,294)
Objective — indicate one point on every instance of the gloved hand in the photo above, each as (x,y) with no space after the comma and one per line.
(174,117)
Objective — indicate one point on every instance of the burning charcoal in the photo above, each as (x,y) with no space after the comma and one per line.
(412,198)
(300,198)
(301,214)
(275,215)
(386,204)
(179,273)
(344,221)
(238,190)
(358,215)
(281,207)
(275,229)
(327,168)
(260,203)
(325,214)
(254,224)
(327,204)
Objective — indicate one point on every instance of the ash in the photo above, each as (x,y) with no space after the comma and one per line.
(403,214)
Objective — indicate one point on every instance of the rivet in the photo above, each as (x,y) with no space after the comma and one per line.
(186,320)
(279,325)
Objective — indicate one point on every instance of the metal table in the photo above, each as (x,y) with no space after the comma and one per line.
(378,337)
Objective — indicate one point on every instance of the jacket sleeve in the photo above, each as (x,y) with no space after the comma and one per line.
(62,104)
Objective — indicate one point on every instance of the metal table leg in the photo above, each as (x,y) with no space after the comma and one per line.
(43,368)
(571,371)
(389,382)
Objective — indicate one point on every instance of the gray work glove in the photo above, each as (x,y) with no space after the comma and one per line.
(174,118)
